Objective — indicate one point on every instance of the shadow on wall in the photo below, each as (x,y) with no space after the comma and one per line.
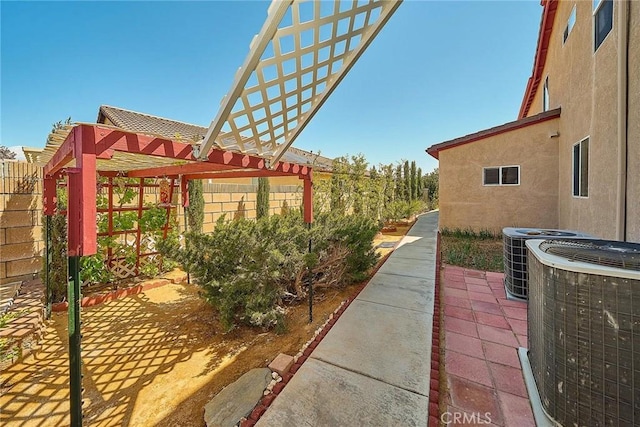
(21,241)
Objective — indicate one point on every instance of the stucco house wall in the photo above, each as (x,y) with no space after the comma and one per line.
(633,123)
(584,84)
(588,87)
(466,203)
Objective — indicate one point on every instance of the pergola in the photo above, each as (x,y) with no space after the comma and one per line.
(98,149)
(301,54)
(91,150)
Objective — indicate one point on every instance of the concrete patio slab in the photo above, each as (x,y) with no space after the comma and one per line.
(415,251)
(384,342)
(321,394)
(409,267)
(412,293)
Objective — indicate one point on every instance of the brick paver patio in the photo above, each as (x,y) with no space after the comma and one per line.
(483,331)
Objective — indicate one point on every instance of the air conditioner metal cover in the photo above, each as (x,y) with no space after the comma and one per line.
(552,260)
(584,333)
(515,255)
(541,233)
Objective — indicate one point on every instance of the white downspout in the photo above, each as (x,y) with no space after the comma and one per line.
(621,198)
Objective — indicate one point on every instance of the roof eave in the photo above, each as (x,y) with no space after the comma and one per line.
(544,36)
(435,149)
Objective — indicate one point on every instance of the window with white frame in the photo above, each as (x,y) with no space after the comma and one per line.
(570,23)
(501,175)
(602,21)
(545,95)
(581,168)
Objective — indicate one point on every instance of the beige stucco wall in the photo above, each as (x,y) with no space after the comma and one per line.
(584,85)
(466,203)
(633,166)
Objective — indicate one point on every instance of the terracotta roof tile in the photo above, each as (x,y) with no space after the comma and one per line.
(145,123)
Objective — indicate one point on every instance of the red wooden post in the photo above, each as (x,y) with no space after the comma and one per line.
(82,208)
(49,196)
(184,190)
(139,230)
(110,222)
(167,226)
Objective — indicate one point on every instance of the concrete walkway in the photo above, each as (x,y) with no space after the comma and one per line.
(373,366)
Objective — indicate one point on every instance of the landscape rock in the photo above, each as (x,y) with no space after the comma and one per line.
(237,400)
(281,364)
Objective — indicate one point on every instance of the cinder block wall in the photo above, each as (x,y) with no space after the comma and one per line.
(21,230)
(229,199)
(21,241)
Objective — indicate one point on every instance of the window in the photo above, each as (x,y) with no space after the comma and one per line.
(570,23)
(545,95)
(502,175)
(602,21)
(581,168)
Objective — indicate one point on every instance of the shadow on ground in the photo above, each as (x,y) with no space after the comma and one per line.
(127,345)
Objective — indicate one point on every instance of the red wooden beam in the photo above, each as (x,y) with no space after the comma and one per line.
(236,174)
(178,170)
(62,156)
(109,140)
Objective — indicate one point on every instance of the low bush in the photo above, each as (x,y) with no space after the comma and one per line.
(248,269)
(467,248)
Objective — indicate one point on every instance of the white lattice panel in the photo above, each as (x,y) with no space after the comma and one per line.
(301,54)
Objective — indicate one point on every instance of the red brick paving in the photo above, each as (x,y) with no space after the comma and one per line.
(482,333)
(460,326)
(462,343)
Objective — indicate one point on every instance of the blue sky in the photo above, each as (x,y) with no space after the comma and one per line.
(438,70)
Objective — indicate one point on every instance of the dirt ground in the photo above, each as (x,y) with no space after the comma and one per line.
(153,359)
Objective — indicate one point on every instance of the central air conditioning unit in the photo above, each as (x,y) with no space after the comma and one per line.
(584,330)
(515,255)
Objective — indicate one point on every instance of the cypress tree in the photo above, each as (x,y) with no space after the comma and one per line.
(414,182)
(262,198)
(195,210)
(407,181)
(399,183)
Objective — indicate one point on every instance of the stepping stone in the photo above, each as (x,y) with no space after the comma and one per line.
(237,400)
(387,245)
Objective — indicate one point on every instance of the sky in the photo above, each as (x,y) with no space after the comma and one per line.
(437,70)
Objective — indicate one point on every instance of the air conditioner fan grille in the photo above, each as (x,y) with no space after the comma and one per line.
(600,252)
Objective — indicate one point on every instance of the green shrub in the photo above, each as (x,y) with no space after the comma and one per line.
(58,264)
(248,268)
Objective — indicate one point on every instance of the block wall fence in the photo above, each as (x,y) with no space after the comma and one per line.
(21,241)
(21,217)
